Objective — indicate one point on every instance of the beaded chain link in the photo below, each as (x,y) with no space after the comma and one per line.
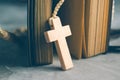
(3,34)
(55,12)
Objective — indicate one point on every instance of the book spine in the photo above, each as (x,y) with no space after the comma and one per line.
(101,20)
(109,24)
(39,12)
(91,14)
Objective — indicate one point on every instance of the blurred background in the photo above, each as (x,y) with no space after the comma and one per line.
(13,18)
(13,1)
(13,13)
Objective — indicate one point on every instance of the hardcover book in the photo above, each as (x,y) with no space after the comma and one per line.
(90,23)
(22,27)
(39,11)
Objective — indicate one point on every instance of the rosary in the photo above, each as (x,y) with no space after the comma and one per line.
(57,35)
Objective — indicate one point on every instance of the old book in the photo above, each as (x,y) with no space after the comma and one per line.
(89,21)
(39,11)
(72,13)
(21,44)
(96,26)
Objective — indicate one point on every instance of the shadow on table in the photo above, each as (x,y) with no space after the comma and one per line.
(114,34)
(114,49)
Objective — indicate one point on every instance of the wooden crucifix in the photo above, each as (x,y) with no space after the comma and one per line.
(58,35)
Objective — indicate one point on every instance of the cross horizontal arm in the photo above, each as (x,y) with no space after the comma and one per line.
(67,31)
(50,36)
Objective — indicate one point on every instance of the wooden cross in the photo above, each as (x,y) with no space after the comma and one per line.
(57,35)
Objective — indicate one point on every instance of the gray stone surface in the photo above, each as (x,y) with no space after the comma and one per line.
(101,67)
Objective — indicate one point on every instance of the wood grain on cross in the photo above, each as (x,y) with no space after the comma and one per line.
(58,35)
